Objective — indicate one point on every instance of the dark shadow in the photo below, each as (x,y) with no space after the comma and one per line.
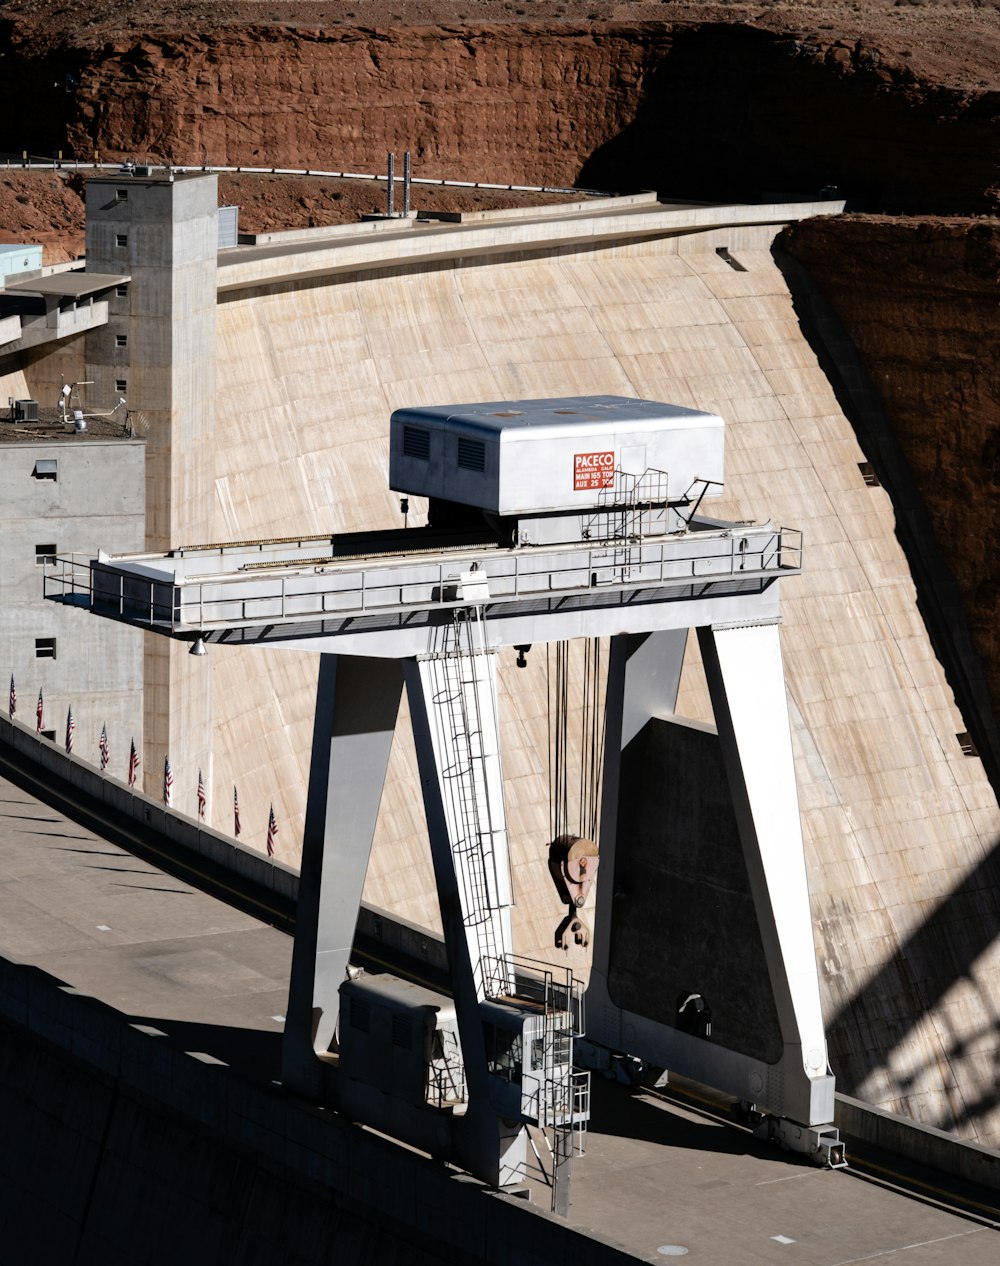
(88,852)
(939,599)
(621,1112)
(124,870)
(913,982)
(255,1053)
(60,835)
(730,113)
(966,921)
(177,892)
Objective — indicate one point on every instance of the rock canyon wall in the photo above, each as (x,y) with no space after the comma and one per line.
(697,110)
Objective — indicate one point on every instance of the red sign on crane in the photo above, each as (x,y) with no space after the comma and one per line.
(593,470)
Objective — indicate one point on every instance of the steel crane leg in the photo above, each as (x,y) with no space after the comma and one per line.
(357,702)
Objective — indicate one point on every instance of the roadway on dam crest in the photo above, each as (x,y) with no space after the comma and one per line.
(211,981)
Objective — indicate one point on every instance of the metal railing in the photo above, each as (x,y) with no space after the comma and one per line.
(243,597)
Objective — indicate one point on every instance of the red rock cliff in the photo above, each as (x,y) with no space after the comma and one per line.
(702,110)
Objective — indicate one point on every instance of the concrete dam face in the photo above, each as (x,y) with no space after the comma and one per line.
(899,823)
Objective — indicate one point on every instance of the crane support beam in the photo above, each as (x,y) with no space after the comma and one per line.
(357,703)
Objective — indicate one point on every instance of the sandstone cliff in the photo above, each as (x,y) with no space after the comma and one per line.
(703,110)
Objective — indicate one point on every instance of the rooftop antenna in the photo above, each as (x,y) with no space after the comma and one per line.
(73,415)
(390,181)
(406,185)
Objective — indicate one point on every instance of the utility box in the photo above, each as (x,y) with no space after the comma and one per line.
(400,1040)
(16,258)
(529,457)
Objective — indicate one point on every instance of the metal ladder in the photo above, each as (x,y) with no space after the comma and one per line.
(467,784)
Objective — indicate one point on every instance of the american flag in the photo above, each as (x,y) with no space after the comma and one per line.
(12,706)
(236,813)
(104,749)
(272,832)
(202,800)
(168,781)
(70,729)
(39,712)
(133,765)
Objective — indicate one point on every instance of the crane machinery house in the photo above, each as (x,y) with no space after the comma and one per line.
(543,472)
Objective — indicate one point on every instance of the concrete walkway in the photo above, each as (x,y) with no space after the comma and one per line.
(212,981)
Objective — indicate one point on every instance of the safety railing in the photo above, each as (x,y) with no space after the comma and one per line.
(243,597)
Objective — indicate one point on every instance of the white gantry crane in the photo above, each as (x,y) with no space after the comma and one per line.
(548,520)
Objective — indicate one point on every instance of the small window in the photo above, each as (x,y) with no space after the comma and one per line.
(966,743)
(121,340)
(45,648)
(503,1052)
(45,555)
(121,292)
(401,1032)
(868,474)
(50,735)
(471,454)
(121,384)
(121,195)
(121,239)
(416,443)
(46,468)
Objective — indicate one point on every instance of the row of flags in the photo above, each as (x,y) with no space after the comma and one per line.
(133,767)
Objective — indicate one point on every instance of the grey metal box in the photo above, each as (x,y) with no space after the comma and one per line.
(517,457)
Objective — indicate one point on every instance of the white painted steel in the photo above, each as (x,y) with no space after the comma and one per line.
(553,454)
(226,588)
(747,683)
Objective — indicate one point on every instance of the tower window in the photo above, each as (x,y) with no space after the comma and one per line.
(121,291)
(121,384)
(46,468)
(121,195)
(45,555)
(121,340)
(121,239)
(45,648)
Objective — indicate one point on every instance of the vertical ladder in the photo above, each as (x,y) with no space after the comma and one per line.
(472,787)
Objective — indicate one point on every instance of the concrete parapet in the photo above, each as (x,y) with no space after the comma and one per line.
(921,1143)
(590,205)
(122,1139)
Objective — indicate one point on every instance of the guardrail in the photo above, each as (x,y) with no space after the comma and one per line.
(58,163)
(324,589)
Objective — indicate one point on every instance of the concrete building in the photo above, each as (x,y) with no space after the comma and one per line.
(63,492)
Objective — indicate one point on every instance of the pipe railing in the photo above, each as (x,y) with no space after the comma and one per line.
(187,604)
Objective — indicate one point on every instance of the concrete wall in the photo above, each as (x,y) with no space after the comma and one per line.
(119,1148)
(96,501)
